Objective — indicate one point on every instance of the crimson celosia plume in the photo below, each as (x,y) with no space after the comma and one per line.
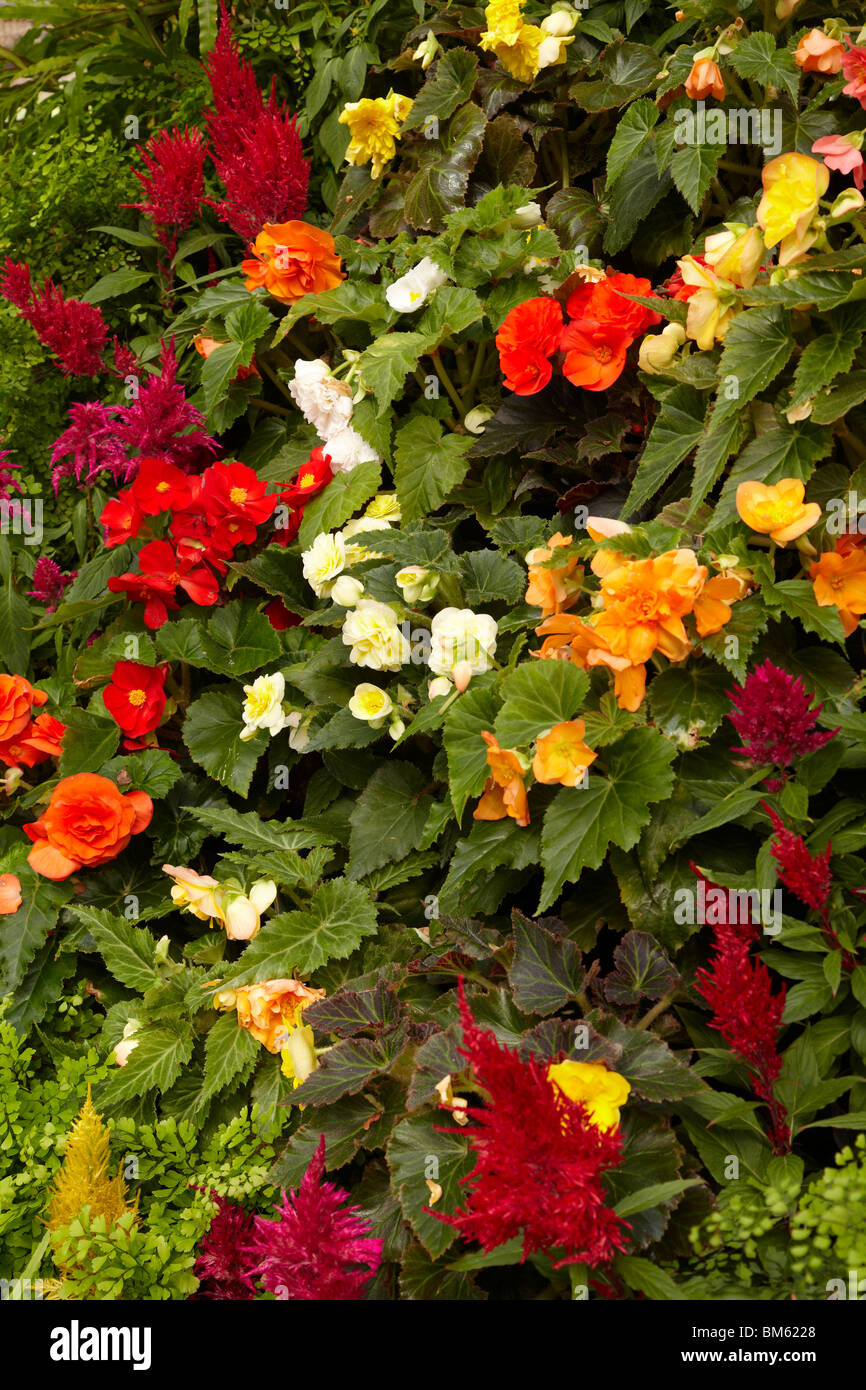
(540,1162)
(257,148)
(74,331)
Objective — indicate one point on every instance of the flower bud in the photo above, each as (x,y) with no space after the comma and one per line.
(440,686)
(529,215)
(396,729)
(346,591)
(658,350)
(477,419)
(850,200)
(427,50)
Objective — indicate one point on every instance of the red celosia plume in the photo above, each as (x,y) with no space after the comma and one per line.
(540,1162)
(74,331)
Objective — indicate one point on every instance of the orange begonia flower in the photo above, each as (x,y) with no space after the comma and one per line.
(269,1009)
(561,755)
(644,605)
(704,80)
(504,793)
(10,894)
(293,259)
(817,52)
(777,510)
(17,696)
(87,822)
(840,580)
(568,638)
(713,605)
(555,588)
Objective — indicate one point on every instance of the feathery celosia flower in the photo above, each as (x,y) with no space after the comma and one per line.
(74,331)
(89,446)
(807,876)
(748,1015)
(125,362)
(540,1160)
(49,581)
(174,182)
(319,1249)
(257,148)
(6,479)
(84,1177)
(222,1265)
(162,423)
(774,719)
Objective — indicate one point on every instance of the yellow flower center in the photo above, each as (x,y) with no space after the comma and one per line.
(308,480)
(137,697)
(162,487)
(238,495)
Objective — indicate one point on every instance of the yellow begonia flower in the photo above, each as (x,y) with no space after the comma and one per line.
(777,511)
(711,310)
(374,126)
(793,185)
(519,56)
(603,1092)
(736,254)
(298,1053)
(503,18)
(385,506)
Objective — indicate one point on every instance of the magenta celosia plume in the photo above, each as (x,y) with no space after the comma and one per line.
(49,582)
(74,331)
(539,1161)
(774,719)
(89,446)
(7,481)
(222,1265)
(318,1248)
(807,876)
(256,148)
(162,423)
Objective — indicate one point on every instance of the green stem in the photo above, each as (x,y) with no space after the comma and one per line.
(447,383)
(271,409)
(272,376)
(563,157)
(469,392)
(652,1014)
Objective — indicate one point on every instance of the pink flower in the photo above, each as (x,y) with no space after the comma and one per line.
(318,1249)
(162,423)
(854,68)
(89,446)
(6,479)
(49,582)
(840,152)
(257,149)
(774,719)
(222,1265)
(174,183)
(74,331)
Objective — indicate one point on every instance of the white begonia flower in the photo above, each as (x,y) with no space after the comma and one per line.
(346,591)
(242,912)
(460,637)
(128,1042)
(263,707)
(416,583)
(375,637)
(325,559)
(364,523)
(441,685)
(371,704)
(412,290)
(559,23)
(528,215)
(347,449)
(299,730)
(324,402)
